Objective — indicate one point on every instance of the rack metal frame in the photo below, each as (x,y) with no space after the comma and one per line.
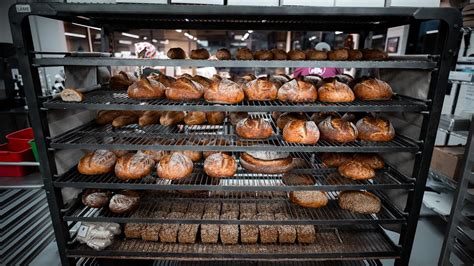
(128,16)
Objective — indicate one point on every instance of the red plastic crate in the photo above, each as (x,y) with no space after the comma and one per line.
(7,155)
(18,140)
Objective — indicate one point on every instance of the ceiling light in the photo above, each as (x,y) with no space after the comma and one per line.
(246,35)
(164,42)
(130,35)
(378,36)
(145,38)
(179,30)
(338,32)
(70,34)
(190,37)
(125,42)
(186,34)
(86,18)
(195,38)
(154,41)
(312,38)
(432,31)
(187,20)
(250,31)
(85,26)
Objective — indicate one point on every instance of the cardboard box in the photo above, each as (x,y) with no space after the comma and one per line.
(253,3)
(204,2)
(307,2)
(361,3)
(411,3)
(448,160)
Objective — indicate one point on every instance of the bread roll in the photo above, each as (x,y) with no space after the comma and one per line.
(338,130)
(309,198)
(375,129)
(279,54)
(220,165)
(261,89)
(370,159)
(174,166)
(359,202)
(244,54)
(355,54)
(124,120)
(176,53)
(270,166)
(356,170)
(303,132)
(224,92)
(205,82)
(97,163)
(313,54)
(71,95)
(374,54)
(95,198)
(163,79)
(263,55)
(338,54)
(134,166)
(193,155)
(171,118)
(124,201)
(236,117)
(287,117)
(195,118)
(215,118)
(320,116)
(146,88)
(200,53)
(296,55)
(121,81)
(335,159)
(373,89)
(223,54)
(184,89)
(156,155)
(253,128)
(297,91)
(149,118)
(335,92)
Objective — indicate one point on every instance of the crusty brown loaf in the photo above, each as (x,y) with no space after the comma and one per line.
(156,155)
(287,117)
(297,91)
(298,180)
(71,95)
(261,89)
(95,198)
(220,165)
(184,89)
(163,79)
(309,198)
(314,79)
(121,81)
(375,129)
(356,170)
(124,201)
(338,130)
(97,162)
(296,55)
(248,232)
(355,55)
(335,159)
(134,166)
(263,55)
(268,233)
(195,118)
(215,118)
(210,232)
(312,54)
(171,118)
(359,202)
(199,54)
(253,128)
(229,233)
(279,54)
(373,89)
(169,232)
(149,118)
(335,92)
(174,166)
(303,132)
(286,233)
(176,53)
(225,92)
(318,117)
(244,54)
(107,116)
(223,54)
(306,234)
(338,54)
(237,116)
(133,230)
(374,54)
(193,155)
(279,80)
(146,88)
(124,120)
(276,166)
(373,160)
(206,154)
(245,78)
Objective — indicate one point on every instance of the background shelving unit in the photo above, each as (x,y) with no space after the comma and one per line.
(341,235)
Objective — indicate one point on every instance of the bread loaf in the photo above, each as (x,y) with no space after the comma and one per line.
(134,166)
(229,233)
(373,89)
(176,53)
(124,120)
(268,233)
(306,234)
(205,82)
(335,159)
(107,116)
(334,91)
(95,198)
(286,233)
(146,88)
(236,117)
(71,95)
(299,131)
(356,170)
(355,54)
(298,180)
(372,160)
(287,117)
(156,155)
(215,118)
(121,81)
(220,165)
(314,79)
(174,166)
(248,232)
(374,54)
(338,54)
(163,79)
(261,89)
(184,89)
(279,54)
(133,230)
(338,130)
(296,55)
(124,201)
(253,128)
(97,162)
(224,92)
(149,118)
(193,155)
(313,54)
(171,118)
(244,54)
(375,129)
(279,80)
(223,54)
(199,54)
(318,117)
(268,166)
(263,55)
(297,91)
(195,118)
(169,232)
(309,198)
(359,202)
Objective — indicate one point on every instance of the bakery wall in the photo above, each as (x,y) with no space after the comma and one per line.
(5,32)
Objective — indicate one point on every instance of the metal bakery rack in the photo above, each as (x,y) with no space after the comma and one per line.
(358,239)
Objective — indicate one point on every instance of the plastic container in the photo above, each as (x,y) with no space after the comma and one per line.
(6,155)
(18,140)
(34,149)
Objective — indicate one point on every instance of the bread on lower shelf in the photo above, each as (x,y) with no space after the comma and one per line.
(169,232)
(229,233)
(248,232)
(210,232)
(151,232)
(188,232)
(306,234)
(286,233)
(133,230)
(268,233)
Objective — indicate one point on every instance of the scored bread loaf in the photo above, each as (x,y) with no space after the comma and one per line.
(297,91)
(215,118)
(374,161)
(184,89)
(149,118)
(261,89)
(95,198)
(333,91)
(200,53)
(71,95)
(375,129)
(174,166)
(195,118)
(254,128)
(220,165)
(284,118)
(223,54)
(309,198)
(373,89)
(356,170)
(171,118)
(146,88)
(134,166)
(124,201)
(224,91)
(97,162)
(335,159)
(338,130)
(121,81)
(303,132)
(359,202)
(163,79)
